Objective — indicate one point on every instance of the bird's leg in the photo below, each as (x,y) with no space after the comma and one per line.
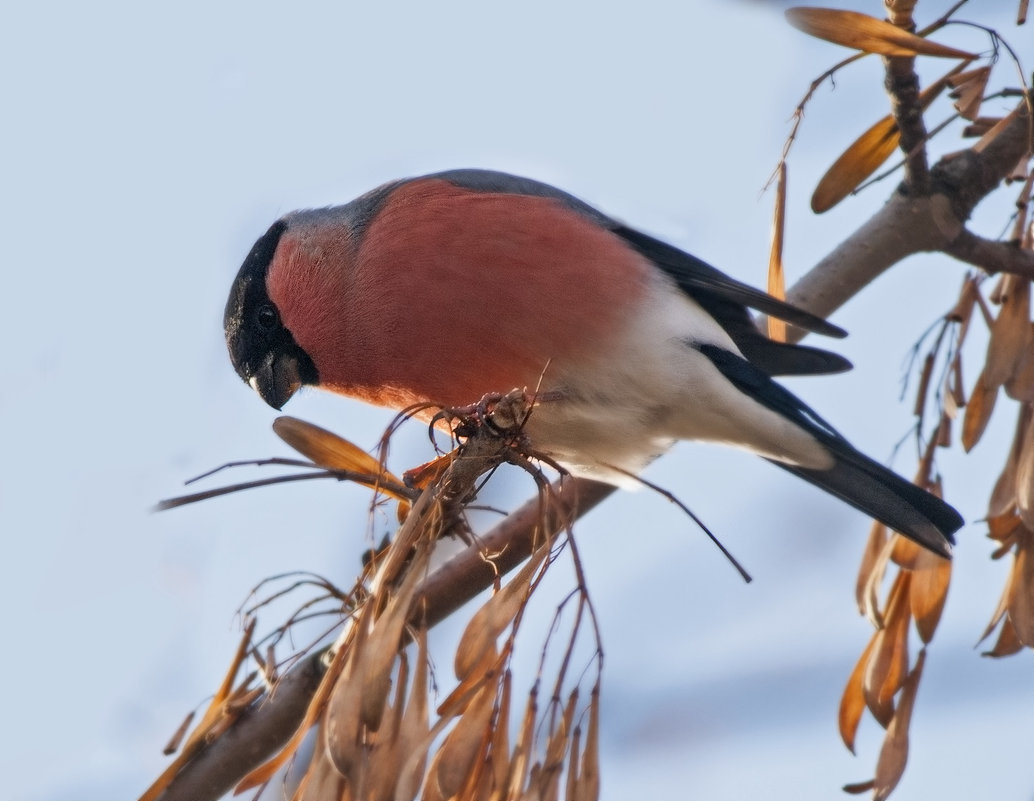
(503,413)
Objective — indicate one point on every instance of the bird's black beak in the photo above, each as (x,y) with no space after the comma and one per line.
(277,378)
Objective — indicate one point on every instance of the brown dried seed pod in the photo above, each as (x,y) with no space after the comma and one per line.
(894,754)
(1025,477)
(928,592)
(869,34)
(888,666)
(852,702)
(1021,590)
(969,89)
(978,411)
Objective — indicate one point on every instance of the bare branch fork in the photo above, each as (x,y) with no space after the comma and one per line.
(928,217)
(912,222)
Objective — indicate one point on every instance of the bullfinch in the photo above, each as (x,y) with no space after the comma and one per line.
(447,288)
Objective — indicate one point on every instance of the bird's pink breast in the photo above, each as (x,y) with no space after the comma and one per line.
(452,294)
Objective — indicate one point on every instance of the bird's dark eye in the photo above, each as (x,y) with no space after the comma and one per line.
(267,317)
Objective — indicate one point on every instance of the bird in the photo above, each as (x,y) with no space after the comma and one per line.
(442,289)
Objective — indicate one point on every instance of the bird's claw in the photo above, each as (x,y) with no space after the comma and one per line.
(504,414)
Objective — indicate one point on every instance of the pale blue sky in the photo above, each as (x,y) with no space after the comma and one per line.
(146,148)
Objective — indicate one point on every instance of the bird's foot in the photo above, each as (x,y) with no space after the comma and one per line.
(504,414)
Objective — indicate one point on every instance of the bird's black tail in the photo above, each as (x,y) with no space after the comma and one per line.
(882,493)
(854,477)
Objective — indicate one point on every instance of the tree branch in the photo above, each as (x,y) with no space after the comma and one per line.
(991,256)
(256,735)
(909,224)
(510,543)
(968,177)
(902,84)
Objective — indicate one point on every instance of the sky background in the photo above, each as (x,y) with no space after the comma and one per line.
(146,147)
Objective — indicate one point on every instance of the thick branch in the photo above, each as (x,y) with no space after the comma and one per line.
(905,225)
(258,734)
(968,177)
(908,225)
(510,543)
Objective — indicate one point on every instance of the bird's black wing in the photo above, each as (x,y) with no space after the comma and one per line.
(727,299)
(854,477)
(694,276)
